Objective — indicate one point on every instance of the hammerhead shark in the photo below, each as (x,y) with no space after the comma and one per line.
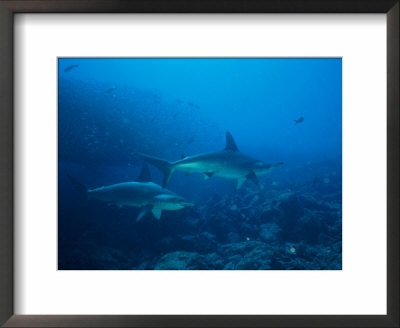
(229,163)
(140,193)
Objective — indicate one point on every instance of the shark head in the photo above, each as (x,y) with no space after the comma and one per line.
(171,202)
(261,168)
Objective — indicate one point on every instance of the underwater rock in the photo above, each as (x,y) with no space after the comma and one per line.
(269,214)
(234,237)
(248,255)
(90,258)
(167,244)
(312,204)
(302,256)
(230,266)
(269,231)
(181,260)
(192,224)
(254,200)
(292,208)
(283,196)
(205,242)
(214,261)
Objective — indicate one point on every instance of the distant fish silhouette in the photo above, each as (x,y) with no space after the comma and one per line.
(190,104)
(153,119)
(110,90)
(178,101)
(300,120)
(70,67)
(197,106)
(176,114)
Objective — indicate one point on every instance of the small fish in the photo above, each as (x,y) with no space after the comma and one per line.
(190,104)
(176,114)
(153,119)
(110,90)
(70,67)
(178,101)
(300,120)
(197,106)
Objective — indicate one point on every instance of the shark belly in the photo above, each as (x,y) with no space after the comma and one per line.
(195,167)
(222,170)
(229,174)
(119,199)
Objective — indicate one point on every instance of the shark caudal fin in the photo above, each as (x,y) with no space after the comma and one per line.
(164,166)
(80,187)
(230,143)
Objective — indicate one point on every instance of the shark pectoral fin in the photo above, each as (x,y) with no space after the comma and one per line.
(252,176)
(157,213)
(142,213)
(167,176)
(207,175)
(240,182)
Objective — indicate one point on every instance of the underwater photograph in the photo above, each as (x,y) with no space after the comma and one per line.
(199,164)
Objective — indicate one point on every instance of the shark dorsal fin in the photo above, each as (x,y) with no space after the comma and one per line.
(230,143)
(144,175)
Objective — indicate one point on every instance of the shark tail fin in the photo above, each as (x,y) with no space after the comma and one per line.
(80,187)
(164,166)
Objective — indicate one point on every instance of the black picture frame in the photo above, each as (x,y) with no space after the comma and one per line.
(10,7)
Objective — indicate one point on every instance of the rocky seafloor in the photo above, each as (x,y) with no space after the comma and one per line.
(252,229)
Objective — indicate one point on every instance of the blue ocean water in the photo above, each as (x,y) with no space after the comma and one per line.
(277,110)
